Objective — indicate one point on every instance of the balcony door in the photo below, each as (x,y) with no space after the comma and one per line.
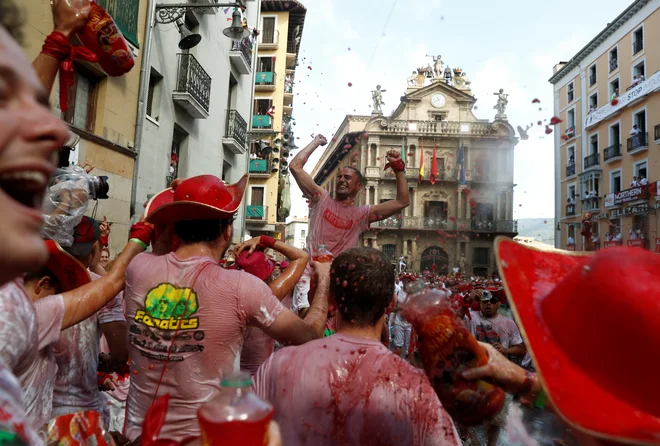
(266,65)
(484,212)
(268,30)
(261,106)
(435,209)
(257,196)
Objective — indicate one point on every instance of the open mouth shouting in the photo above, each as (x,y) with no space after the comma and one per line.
(25,185)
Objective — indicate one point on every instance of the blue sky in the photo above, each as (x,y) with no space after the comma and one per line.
(510,44)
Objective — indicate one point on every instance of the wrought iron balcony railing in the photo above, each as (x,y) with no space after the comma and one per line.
(590,204)
(570,170)
(592,160)
(193,79)
(570,210)
(499,226)
(236,127)
(245,48)
(612,151)
(639,141)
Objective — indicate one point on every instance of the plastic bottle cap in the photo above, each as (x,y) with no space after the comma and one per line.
(236,379)
(236,383)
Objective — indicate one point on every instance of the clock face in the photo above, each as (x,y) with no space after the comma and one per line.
(438,100)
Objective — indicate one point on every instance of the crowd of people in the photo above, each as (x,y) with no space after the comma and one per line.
(177,309)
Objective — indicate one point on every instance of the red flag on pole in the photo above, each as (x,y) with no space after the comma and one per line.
(434,165)
(421,167)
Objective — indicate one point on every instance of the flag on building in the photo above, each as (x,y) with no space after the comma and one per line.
(461,163)
(421,166)
(434,164)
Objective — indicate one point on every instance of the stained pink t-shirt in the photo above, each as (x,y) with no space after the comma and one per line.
(338,227)
(26,335)
(77,356)
(257,348)
(348,390)
(212,307)
(13,418)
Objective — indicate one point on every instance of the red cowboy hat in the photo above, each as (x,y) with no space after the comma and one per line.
(256,263)
(204,197)
(68,271)
(591,325)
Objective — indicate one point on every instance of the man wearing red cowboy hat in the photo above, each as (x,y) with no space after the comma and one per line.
(187,314)
(252,259)
(336,222)
(349,388)
(589,366)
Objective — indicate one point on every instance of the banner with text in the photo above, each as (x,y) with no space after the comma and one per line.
(632,194)
(649,85)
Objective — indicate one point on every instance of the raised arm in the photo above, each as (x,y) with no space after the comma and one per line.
(306,183)
(291,275)
(81,303)
(387,209)
(290,329)
(68,20)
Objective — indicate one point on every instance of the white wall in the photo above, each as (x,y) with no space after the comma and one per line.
(296,228)
(204,152)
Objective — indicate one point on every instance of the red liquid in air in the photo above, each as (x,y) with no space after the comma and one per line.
(324,258)
(446,349)
(237,432)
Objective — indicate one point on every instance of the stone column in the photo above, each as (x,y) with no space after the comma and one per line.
(411,208)
(459,204)
(376,195)
(414,251)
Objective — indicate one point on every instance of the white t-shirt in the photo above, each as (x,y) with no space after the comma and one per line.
(634,131)
(643,182)
(570,241)
(77,356)
(499,329)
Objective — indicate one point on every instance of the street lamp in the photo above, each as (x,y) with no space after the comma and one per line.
(173,12)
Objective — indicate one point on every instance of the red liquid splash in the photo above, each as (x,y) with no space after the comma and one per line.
(446,349)
(238,432)
(324,258)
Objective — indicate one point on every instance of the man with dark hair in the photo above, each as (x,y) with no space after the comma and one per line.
(336,222)
(349,388)
(187,315)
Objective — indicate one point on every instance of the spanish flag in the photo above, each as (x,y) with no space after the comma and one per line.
(421,166)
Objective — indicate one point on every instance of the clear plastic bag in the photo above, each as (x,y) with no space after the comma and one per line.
(65,204)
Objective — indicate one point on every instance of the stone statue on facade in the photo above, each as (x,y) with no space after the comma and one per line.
(462,263)
(377,96)
(412,80)
(437,66)
(460,79)
(502,102)
(448,76)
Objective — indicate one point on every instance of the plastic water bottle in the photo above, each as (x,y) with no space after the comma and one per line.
(322,255)
(235,416)
(446,348)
